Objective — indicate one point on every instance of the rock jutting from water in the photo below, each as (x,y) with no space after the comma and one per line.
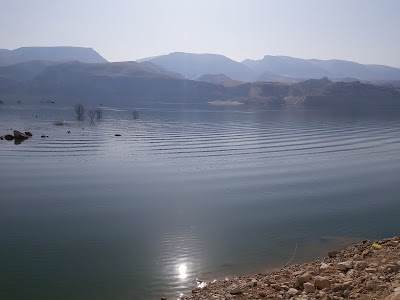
(361,271)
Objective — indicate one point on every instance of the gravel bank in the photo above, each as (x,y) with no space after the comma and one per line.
(366,271)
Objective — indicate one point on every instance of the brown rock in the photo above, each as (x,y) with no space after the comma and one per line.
(292,292)
(276,286)
(392,268)
(301,279)
(360,265)
(309,287)
(324,267)
(322,282)
(234,289)
(336,287)
(332,254)
(346,265)
(393,296)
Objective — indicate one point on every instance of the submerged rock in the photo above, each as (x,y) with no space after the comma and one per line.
(20,135)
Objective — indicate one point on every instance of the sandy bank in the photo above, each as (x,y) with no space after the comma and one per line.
(366,271)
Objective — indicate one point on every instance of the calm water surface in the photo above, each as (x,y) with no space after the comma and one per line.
(185,193)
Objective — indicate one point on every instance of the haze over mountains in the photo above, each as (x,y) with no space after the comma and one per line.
(271,68)
(81,74)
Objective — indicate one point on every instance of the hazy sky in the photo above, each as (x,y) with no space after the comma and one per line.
(365,31)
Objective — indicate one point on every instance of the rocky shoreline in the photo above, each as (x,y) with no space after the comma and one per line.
(367,271)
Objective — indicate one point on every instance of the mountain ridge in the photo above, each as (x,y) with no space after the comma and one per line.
(59,53)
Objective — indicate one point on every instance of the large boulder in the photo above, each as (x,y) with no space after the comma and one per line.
(322,282)
(301,279)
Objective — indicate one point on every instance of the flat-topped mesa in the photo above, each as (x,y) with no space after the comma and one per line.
(61,54)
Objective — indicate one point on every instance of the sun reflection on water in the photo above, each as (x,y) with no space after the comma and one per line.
(182,271)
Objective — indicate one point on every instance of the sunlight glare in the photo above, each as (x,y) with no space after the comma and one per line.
(182,271)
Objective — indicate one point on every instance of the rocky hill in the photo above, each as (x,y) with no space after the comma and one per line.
(219,79)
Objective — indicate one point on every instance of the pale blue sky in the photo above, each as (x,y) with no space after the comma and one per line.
(365,31)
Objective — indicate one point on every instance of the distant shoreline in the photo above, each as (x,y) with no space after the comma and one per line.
(225,102)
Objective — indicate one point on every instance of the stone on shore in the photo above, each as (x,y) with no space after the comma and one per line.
(301,279)
(234,289)
(393,296)
(309,287)
(322,282)
(292,292)
(346,265)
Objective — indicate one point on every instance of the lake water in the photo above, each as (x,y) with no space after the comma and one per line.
(185,193)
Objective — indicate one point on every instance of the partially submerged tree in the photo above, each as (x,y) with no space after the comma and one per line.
(99,113)
(135,115)
(92,115)
(79,111)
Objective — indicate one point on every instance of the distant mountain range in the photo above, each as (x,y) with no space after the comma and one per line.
(60,54)
(193,66)
(271,68)
(70,75)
